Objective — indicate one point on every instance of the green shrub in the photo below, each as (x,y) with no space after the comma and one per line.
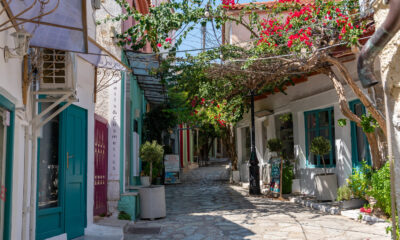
(124,216)
(275,145)
(375,183)
(287,179)
(151,153)
(343,193)
(380,188)
(360,181)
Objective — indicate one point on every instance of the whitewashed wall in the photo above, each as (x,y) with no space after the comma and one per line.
(314,94)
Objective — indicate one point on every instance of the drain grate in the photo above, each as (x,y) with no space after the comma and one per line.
(142,230)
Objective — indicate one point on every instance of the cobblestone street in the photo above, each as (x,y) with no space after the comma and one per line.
(213,209)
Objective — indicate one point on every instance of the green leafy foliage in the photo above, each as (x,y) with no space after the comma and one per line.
(360,181)
(151,152)
(124,216)
(342,122)
(287,178)
(380,188)
(274,145)
(320,146)
(159,119)
(368,123)
(343,193)
(375,183)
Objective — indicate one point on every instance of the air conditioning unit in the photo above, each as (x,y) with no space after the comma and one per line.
(56,70)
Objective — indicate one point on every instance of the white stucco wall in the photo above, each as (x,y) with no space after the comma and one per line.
(108,102)
(316,93)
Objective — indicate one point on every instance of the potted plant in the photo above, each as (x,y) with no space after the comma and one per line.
(346,199)
(152,198)
(144,179)
(275,147)
(326,183)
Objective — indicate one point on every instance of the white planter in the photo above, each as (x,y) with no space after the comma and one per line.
(326,187)
(145,180)
(235,176)
(152,202)
(296,186)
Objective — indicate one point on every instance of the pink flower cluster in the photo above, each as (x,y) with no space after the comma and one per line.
(228,3)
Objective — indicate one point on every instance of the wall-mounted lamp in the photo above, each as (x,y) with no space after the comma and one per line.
(21,40)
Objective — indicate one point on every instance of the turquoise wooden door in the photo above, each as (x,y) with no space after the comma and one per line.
(75,171)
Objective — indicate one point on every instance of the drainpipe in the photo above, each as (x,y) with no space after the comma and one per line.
(369,52)
(376,43)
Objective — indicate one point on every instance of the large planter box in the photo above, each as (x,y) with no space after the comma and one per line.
(326,187)
(296,186)
(352,203)
(152,202)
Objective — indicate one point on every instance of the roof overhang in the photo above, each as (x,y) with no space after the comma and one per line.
(142,64)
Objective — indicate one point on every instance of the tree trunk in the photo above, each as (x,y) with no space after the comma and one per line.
(345,109)
(229,140)
(369,105)
(280,180)
(151,172)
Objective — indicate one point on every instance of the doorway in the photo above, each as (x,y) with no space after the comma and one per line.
(62,160)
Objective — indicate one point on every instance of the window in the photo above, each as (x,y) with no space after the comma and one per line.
(320,123)
(48,189)
(359,143)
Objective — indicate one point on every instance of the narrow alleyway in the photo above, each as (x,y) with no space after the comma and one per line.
(210,208)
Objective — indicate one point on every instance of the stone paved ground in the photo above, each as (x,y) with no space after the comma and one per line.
(213,209)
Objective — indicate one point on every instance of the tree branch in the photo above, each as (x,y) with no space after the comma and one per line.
(361,95)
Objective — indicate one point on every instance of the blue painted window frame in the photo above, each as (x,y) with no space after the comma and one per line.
(8,105)
(354,150)
(317,130)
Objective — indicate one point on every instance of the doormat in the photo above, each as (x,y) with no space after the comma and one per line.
(142,230)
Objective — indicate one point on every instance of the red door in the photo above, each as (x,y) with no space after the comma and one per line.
(100,165)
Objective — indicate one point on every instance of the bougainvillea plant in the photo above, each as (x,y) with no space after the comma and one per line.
(288,38)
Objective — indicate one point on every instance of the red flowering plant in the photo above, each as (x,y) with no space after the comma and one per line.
(295,27)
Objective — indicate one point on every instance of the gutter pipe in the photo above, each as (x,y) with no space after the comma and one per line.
(376,43)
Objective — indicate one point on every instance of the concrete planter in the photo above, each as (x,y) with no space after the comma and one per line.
(352,203)
(296,186)
(145,181)
(152,202)
(326,187)
(235,176)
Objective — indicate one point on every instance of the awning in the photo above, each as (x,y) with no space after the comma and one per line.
(61,25)
(142,64)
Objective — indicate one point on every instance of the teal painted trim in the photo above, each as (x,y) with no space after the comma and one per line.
(354,150)
(122,134)
(5,103)
(317,131)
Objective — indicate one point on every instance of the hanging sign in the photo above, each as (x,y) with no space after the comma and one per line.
(172,169)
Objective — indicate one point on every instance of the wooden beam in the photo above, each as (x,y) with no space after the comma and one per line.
(84,25)
(49,24)
(109,54)
(10,15)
